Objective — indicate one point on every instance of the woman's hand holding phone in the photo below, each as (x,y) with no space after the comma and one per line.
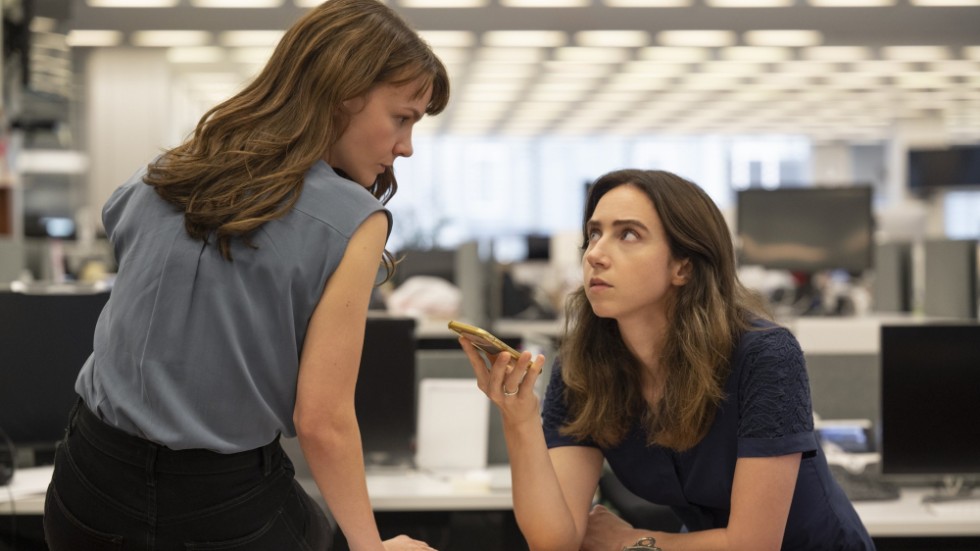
(509,378)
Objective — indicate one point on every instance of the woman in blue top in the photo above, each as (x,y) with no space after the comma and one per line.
(247,256)
(669,371)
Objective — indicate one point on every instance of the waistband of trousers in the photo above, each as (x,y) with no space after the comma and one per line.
(141,452)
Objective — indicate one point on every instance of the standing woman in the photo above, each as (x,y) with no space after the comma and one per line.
(669,371)
(247,256)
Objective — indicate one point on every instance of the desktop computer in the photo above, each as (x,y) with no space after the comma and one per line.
(385,395)
(930,376)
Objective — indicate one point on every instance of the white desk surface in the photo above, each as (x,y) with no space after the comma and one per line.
(399,490)
(417,491)
(909,517)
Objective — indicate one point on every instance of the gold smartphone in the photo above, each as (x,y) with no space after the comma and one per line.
(482,339)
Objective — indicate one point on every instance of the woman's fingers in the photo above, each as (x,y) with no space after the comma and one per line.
(523,374)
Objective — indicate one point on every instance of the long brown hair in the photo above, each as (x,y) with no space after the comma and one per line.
(245,163)
(705,317)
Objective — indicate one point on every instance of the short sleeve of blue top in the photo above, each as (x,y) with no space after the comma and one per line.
(766,412)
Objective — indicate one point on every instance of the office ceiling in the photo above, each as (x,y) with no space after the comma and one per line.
(858,72)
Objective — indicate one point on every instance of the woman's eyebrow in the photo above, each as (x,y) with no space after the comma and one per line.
(592,224)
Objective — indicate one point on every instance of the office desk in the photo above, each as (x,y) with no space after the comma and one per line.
(410,490)
(409,494)
(909,517)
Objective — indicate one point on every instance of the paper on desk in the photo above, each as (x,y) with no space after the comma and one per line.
(29,482)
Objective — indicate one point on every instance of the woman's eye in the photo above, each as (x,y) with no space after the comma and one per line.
(630,235)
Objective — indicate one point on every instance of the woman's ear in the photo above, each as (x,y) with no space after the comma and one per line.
(353,105)
(682,272)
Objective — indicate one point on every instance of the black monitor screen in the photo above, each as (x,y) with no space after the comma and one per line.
(45,339)
(930,399)
(385,395)
(806,229)
(952,167)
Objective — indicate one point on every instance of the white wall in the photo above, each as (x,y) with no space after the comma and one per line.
(127,114)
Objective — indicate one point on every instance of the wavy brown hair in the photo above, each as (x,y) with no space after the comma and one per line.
(705,318)
(245,162)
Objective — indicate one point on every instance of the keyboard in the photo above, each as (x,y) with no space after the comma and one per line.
(864,486)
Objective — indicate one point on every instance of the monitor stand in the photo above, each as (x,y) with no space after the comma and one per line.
(954,488)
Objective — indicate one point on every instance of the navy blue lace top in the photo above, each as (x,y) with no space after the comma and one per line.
(766,412)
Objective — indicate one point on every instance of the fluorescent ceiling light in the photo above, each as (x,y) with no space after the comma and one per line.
(440,3)
(638,83)
(545,3)
(452,56)
(957,67)
(653,69)
(756,53)
(705,38)
(93,38)
(922,80)
(510,55)
(450,39)
(245,4)
(808,67)
(494,71)
(937,3)
(915,53)
(647,3)
(574,70)
(254,55)
(541,39)
(619,97)
(788,38)
(202,54)
(556,95)
(622,39)
(749,3)
(836,53)
(484,95)
(498,87)
(132,3)
(591,55)
(674,54)
(235,39)
(775,82)
(733,68)
(170,38)
(853,81)
(880,67)
(701,81)
(851,3)
(565,84)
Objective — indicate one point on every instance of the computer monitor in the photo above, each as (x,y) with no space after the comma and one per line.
(44,338)
(385,395)
(806,229)
(944,168)
(930,376)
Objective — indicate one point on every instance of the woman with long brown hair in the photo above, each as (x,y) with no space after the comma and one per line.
(247,256)
(670,371)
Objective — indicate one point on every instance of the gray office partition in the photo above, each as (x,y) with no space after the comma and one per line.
(11,260)
(951,278)
(892,286)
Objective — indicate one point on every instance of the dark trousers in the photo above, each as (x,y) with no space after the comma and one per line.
(112,490)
